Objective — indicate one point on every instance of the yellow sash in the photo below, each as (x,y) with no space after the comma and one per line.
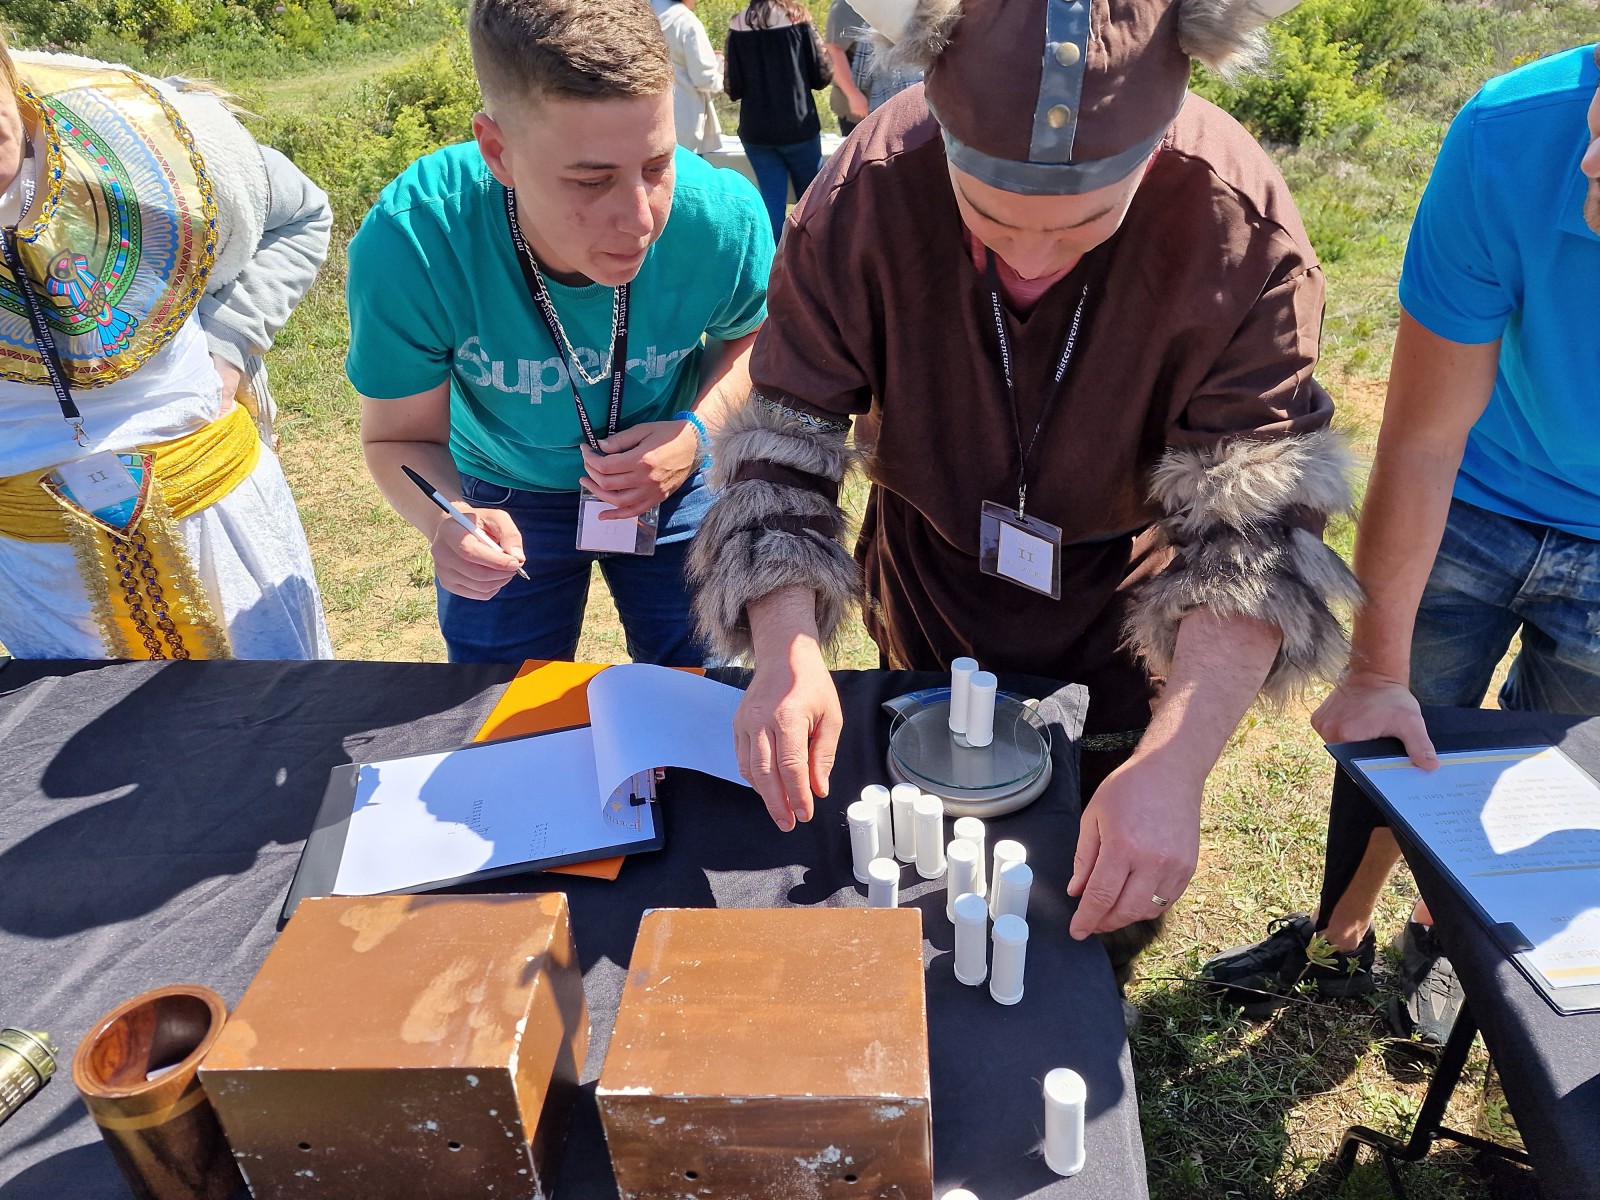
(148,600)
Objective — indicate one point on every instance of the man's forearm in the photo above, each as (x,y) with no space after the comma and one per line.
(1437,390)
(780,619)
(1217,671)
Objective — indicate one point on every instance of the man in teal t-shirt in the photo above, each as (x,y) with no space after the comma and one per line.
(478,323)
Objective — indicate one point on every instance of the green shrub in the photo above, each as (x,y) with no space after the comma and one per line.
(1321,84)
(426,102)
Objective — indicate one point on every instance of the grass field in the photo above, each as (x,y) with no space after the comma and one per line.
(1230,1108)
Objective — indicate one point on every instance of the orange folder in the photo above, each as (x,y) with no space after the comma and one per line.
(550,695)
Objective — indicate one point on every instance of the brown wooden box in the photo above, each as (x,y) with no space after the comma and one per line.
(771,1053)
(406,1046)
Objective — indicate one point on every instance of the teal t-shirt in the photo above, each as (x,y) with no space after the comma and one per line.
(435,293)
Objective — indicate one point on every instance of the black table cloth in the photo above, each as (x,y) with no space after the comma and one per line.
(151,816)
(1549,1063)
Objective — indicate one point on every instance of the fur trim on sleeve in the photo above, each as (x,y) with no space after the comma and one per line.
(1226,35)
(1230,518)
(761,536)
(911,33)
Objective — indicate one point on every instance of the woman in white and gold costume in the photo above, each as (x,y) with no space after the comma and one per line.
(143,513)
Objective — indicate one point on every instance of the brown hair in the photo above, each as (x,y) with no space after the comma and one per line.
(585,49)
(759,14)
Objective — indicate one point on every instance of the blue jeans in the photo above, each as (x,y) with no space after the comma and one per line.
(542,616)
(1495,577)
(776,167)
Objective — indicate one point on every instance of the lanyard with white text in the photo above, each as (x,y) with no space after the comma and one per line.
(547,310)
(996,304)
(41,331)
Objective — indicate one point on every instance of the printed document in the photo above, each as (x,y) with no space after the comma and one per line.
(432,817)
(1519,829)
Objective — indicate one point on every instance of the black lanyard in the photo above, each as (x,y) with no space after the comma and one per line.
(41,332)
(547,310)
(997,306)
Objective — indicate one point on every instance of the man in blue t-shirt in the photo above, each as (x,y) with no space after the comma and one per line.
(533,337)
(1482,520)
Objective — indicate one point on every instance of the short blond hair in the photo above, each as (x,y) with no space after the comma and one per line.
(581,49)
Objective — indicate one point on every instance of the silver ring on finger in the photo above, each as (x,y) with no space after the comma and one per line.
(1160,901)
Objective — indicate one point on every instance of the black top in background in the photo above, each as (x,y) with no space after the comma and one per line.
(772,73)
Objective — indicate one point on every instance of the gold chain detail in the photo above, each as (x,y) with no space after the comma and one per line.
(137,573)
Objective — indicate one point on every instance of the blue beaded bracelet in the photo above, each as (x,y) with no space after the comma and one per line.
(702,435)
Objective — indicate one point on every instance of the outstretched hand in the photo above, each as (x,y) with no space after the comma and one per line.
(1366,706)
(786,732)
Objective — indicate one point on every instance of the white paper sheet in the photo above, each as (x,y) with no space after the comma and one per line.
(1519,828)
(647,717)
(440,816)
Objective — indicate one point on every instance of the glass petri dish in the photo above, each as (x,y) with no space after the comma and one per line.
(923,749)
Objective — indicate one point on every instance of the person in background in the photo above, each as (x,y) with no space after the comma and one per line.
(862,79)
(775,62)
(696,77)
(150,251)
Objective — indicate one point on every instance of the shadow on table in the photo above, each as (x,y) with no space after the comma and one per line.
(165,775)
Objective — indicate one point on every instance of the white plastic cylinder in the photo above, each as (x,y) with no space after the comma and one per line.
(963,863)
(901,801)
(970,829)
(1064,1100)
(972,923)
(877,795)
(883,883)
(863,820)
(930,836)
(958,1194)
(1010,957)
(1005,851)
(980,709)
(1012,888)
(961,673)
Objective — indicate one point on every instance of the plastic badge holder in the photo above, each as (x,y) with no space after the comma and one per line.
(1000,778)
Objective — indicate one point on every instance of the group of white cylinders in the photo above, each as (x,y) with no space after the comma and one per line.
(906,825)
(972,695)
(909,825)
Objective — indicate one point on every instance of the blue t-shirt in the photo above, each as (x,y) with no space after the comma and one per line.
(1500,249)
(435,292)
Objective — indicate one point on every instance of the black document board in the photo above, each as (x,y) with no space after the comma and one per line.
(324,848)
(1568,1000)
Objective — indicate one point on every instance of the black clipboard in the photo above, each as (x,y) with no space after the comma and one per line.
(324,848)
(1567,1001)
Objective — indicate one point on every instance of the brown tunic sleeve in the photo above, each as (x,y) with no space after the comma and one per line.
(1250,476)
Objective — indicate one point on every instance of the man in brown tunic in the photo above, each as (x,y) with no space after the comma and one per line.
(1079,301)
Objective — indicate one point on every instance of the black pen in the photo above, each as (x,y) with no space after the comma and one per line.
(459,517)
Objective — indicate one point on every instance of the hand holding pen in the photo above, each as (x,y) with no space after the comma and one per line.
(460,563)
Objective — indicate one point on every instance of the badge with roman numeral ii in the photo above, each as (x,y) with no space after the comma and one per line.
(1020,548)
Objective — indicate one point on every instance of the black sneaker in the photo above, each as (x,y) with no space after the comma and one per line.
(1430,994)
(1248,975)
(1337,974)
(1257,977)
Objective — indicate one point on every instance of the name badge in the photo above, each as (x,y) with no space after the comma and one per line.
(1020,548)
(635,536)
(109,488)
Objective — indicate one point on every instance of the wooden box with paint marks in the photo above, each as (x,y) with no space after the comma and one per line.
(406,1046)
(771,1053)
